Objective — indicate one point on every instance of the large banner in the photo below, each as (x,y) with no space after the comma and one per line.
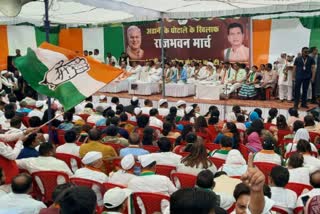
(204,39)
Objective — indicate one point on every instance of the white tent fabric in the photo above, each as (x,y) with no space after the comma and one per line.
(112,11)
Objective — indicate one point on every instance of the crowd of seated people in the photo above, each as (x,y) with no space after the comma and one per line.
(245,163)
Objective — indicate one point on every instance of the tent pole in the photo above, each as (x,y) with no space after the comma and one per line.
(162,55)
(47,29)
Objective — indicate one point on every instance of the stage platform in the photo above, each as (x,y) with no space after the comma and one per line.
(223,105)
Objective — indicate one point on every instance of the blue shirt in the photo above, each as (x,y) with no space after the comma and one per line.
(133,151)
(24,110)
(184,75)
(174,77)
(101,122)
(65,126)
(28,152)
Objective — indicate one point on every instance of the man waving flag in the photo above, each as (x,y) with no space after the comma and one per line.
(62,74)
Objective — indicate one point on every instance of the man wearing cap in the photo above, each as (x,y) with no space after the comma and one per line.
(103,102)
(115,200)
(148,181)
(136,113)
(37,111)
(181,106)
(134,102)
(163,107)
(285,78)
(134,147)
(147,106)
(93,163)
(94,144)
(125,174)
(153,120)
(6,83)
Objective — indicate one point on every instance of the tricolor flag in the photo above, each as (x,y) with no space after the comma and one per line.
(62,74)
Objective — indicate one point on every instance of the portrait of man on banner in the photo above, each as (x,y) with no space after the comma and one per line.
(238,52)
(134,39)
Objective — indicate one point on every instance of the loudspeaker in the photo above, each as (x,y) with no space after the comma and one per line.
(134,86)
(12,8)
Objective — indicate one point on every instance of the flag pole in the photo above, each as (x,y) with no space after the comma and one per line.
(162,55)
(47,30)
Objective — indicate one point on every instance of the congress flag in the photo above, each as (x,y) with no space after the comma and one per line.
(63,74)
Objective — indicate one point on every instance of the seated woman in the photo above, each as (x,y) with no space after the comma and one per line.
(310,124)
(301,134)
(189,115)
(254,133)
(267,154)
(235,164)
(186,130)
(248,90)
(298,173)
(230,130)
(149,136)
(202,130)
(67,122)
(197,160)
(168,132)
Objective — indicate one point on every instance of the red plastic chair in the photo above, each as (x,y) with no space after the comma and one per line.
(109,185)
(279,210)
(313,136)
(25,121)
(151,201)
(9,168)
(49,181)
(84,116)
(265,168)
(165,170)
(12,143)
(89,183)
(312,206)
(298,188)
(245,151)
(184,154)
(132,122)
(185,180)
(217,161)
(61,134)
(212,146)
(156,128)
(150,148)
(68,159)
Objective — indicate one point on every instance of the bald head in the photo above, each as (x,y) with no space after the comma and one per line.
(21,184)
(94,134)
(134,139)
(315,179)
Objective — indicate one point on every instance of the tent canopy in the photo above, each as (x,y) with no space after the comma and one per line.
(113,11)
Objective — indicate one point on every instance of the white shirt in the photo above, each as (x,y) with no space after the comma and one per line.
(69,148)
(94,118)
(284,198)
(43,163)
(153,121)
(36,113)
(311,162)
(310,194)
(180,112)
(9,153)
(121,177)
(98,57)
(20,204)
(163,111)
(268,204)
(226,201)
(152,183)
(91,175)
(268,158)
(146,110)
(165,158)
(113,59)
(299,175)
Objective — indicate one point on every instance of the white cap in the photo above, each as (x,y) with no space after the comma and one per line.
(102,97)
(162,101)
(181,102)
(189,109)
(290,54)
(4,72)
(134,98)
(137,110)
(39,104)
(91,157)
(146,160)
(127,162)
(115,197)
(210,64)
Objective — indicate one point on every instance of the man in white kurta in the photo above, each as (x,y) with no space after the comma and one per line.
(240,76)
(155,73)
(163,107)
(148,181)
(285,78)
(125,174)
(37,111)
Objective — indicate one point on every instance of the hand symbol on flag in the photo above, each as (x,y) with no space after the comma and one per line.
(64,71)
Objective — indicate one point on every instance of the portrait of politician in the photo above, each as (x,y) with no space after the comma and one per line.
(237,52)
(134,50)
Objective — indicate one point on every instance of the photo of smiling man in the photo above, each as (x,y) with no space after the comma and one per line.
(134,50)
(237,52)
